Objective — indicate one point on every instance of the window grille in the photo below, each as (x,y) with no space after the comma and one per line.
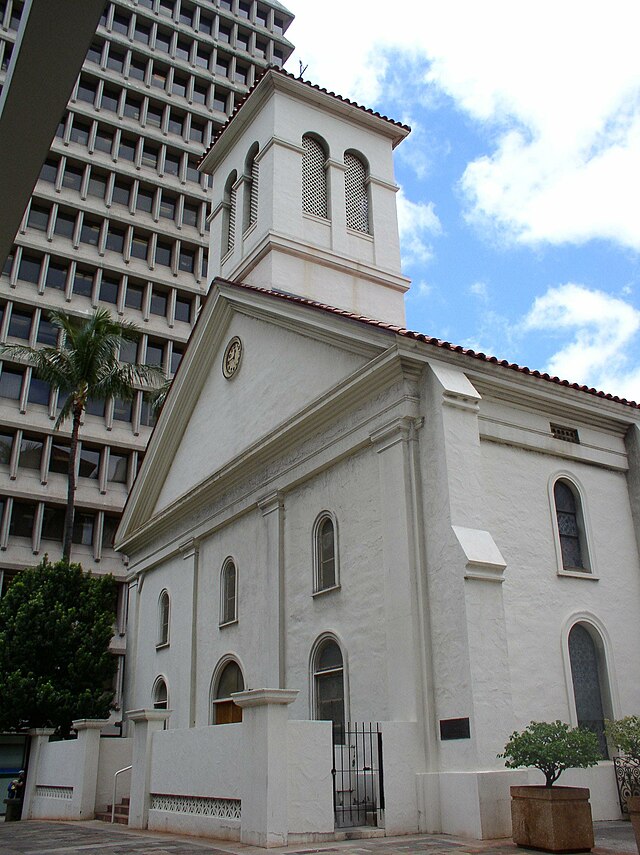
(567,434)
(356,197)
(253,199)
(314,178)
(231,236)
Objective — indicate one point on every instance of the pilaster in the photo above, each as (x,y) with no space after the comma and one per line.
(39,736)
(273,665)
(191,554)
(86,780)
(146,722)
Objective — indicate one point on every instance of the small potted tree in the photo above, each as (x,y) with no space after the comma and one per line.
(625,735)
(554,819)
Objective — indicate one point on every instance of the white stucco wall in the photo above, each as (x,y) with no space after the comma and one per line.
(310,782)
(57,775)
(114,754)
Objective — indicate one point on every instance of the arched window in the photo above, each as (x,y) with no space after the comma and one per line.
(570,526)
(314,177)
(325,553)
(250,214)
(164,609)
(229,214)
(229,680)
(587,671)
(160,694)
(328,686)
(356,193)
(228,592)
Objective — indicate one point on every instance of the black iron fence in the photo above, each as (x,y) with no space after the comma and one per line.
(358,775)
(628,781)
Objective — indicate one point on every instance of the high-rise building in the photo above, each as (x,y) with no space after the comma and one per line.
(118,218)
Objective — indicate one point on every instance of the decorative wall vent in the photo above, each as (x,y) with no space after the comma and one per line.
(198,805)
(566,434)
(356,198)
(43,792)
(314,178)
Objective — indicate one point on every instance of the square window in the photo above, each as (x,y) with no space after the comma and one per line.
(242,40)
(30,451)
(159,302)
(65,224)
(56,276)
(183,309)
(150,155)
(172,164)
(115,60)
(166,8)
(220,100)
(80,132)
(53,523)
(6,444)
(83,528)
(86,91)
(261,47)
(176,357)
(133,108)
(115,242)
(244,9)
(192,171)
(83,282)
(134,296)
(225,4)
(183,49)
(224,34)
(144,202)
(121,192)
(38,218)
(95,407)
(186,14)
(159,76)
(110,98)
(196,132)
(154,116)
(242,74)
(72,177)
(97,185)
(222,65)
(94,54)
(127,150)
(176,126)
(190,214)
(90,233)
(278,57)
(104,140)
(109,290)
(203,57)
(59,460)
(163,253)
(200,93)
(11,383)
(179,85)
(22,518)
(137,69)
(39,392)
(89,461)
(20,324)
(148,415)
(187,260)
(118,466)
(47,333)
(120,24)
(8,264)
(60,129)
(29,269)
(168,206)
(128,351)
(278,25)
(155,353)
(163,41)
(262,16)
(142,33)
(109,528)
(139,247)
(49,171)
(122,410)
(206,24)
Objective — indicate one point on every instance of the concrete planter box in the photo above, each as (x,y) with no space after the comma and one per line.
(554,819)
(634,813)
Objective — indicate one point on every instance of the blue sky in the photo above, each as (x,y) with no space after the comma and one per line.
(519,206)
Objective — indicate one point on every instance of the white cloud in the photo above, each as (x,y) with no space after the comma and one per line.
(602,330)
(479,289)
(558,85)
(417,223)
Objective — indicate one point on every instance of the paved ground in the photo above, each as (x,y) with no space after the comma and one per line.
(98,838)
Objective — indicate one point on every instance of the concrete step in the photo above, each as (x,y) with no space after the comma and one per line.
(119,818)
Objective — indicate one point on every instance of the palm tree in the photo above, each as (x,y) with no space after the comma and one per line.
(85,365)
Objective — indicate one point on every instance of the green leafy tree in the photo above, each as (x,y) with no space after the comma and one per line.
(625,735)
(552,747)
(85,366)
(56,623)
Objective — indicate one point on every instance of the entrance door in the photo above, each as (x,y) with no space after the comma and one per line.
(358,776)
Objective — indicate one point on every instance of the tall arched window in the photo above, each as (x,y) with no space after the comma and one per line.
(591,697)
(356,193)
(328,686)
(229,680)
(325,553)
(229,214)
(251,169)
(314,177)
(570,526)
(228,592)
(160,694)
(164,610)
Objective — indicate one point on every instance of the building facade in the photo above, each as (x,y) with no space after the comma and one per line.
(362,522)
(118,219)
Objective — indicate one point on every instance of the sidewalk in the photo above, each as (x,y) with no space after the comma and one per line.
(98,838)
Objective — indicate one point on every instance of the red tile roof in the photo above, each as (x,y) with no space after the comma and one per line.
(284,73)
(435,342)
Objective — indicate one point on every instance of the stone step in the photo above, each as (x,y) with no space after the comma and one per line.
(119,818)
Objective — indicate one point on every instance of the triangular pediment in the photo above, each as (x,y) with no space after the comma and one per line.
(291,356)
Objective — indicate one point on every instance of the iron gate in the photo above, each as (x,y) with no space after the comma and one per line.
(358,775)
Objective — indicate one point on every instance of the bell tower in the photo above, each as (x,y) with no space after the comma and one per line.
(304,198)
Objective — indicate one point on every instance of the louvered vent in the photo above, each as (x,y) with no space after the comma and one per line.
(314,178)
(355,187)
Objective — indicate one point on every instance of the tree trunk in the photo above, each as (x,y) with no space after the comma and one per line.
(71,484)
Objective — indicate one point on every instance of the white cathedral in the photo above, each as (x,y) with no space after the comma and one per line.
(342,521)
